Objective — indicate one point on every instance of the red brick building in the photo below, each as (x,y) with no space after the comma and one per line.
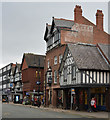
(32,68)
(61,32)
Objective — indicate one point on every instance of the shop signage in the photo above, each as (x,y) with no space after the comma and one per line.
(38,83)
(27,93)
(72,91)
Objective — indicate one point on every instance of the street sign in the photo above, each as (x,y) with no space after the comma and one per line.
(27,93)
(72,91)
(38,83)
(11,84)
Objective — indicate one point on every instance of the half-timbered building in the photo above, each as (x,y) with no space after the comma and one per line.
(5,72)
(57,35)
(12,82)
(85,73)
(18,84)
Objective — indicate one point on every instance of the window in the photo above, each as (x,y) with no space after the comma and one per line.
(8,67)
(0,79)
(4,69)
(60,58)
(73,72)
(0,71)
(4,86)
(48,64)
(56,37)
(65,74)
(4,77)
(55,60)
(49,77)
(55,76)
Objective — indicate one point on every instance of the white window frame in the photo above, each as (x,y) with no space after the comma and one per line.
(55,60)
(4,86)
(55,76)
(60,58)
(73,72)
(48,64)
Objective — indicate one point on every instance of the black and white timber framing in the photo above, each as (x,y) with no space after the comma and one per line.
(71,75)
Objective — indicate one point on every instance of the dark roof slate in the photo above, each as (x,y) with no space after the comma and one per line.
(13,70)
(106,50)
(18,66)
(63,23)
(87,57)
(32,60)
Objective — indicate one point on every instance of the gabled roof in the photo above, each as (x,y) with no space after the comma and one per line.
(63,22)
(105,49)
(32,60)
(17,66)
(86,57)
(58,23)
(12,70)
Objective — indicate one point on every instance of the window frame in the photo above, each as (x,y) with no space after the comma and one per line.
(55,60)
(60,58)
(55,77)
(73,72)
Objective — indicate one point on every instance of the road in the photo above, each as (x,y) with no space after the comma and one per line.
(19,111)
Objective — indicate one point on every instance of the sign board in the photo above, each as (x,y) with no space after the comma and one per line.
(27,93)
(72,91)
(38,83)
(11,84)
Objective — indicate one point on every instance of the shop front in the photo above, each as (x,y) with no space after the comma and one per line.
(79,99)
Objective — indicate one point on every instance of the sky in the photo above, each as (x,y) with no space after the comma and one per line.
(23,25)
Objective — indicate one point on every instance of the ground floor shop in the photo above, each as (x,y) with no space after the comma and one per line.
(31,97)
(79,98)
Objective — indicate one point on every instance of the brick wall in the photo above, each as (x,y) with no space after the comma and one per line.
(29,79)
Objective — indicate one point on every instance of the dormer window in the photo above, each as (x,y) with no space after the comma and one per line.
(56,37)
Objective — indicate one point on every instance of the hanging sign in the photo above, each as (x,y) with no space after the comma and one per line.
(72,91)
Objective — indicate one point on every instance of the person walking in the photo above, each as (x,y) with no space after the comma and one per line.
(93,104)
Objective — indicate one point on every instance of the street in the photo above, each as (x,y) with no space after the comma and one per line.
(19,111)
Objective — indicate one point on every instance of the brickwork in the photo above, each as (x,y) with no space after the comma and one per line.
(82,31)
(29,79)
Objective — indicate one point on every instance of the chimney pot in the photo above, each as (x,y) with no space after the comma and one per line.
(77,13)
(99,19)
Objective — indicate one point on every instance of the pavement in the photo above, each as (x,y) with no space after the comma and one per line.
(80,113)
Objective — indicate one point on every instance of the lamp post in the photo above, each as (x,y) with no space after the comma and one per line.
(49,78)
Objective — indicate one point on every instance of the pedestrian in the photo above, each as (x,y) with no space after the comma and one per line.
(93,104)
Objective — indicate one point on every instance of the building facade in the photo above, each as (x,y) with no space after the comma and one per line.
(60,33)
(55,49)
(84,74)
(32,69)
(16,83)
(6,93)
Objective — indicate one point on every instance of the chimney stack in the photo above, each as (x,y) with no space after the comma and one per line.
(99,19)
(77,13)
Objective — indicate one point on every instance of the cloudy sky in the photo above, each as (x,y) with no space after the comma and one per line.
(23,25)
